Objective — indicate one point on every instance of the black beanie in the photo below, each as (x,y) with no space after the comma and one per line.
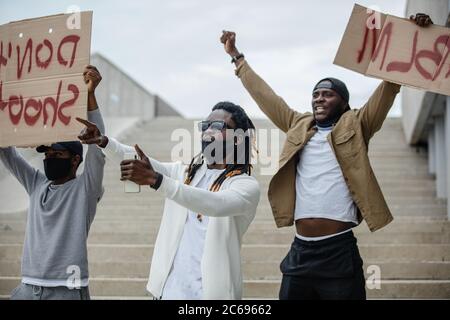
(336,85)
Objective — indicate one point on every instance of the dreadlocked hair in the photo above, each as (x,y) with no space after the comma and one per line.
(195,164)
(242,122)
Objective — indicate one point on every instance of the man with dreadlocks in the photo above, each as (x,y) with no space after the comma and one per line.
(209,206)
(324,182)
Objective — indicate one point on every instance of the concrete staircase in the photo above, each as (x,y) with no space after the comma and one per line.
(413,252)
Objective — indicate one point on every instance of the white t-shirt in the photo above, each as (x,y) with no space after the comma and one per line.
(185,278)
(321,191)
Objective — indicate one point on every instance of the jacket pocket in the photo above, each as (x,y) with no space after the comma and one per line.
(294,139)
(348,144)
(344,137)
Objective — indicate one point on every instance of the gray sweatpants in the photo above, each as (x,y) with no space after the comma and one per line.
(32,292)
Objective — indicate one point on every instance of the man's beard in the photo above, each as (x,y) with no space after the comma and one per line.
(217,151)
(332,118)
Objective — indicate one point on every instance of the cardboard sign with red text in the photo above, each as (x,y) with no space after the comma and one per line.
(397,50)
(41,78)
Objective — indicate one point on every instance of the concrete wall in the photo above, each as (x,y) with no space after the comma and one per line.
(411,107)
(416,104)
(120,95)
(426,115)
(163,109)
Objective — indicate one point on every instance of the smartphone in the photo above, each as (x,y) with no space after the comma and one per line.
(130,186)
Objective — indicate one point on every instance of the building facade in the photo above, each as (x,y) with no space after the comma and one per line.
(426,115)
(120,95)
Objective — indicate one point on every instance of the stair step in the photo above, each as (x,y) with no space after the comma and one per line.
(135,287)
(119,252)
(152,226)
(257,270)
(263,237)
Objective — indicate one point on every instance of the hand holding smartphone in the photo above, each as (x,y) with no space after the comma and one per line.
(130,186)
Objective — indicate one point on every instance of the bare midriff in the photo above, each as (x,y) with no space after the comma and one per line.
(319,227)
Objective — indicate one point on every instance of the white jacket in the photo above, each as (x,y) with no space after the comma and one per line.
(230,211)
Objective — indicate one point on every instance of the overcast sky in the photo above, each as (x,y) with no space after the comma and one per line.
(172,47)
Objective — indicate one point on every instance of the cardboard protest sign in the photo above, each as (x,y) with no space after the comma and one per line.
(41,82)
(397,50)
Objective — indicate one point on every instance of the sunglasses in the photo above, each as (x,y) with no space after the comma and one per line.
(218,125)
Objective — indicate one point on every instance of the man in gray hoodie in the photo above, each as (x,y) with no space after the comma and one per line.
(62,208)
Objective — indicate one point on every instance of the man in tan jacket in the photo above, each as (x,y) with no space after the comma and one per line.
(324,182)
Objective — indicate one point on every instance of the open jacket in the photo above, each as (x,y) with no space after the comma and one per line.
(230,211)
(349,140)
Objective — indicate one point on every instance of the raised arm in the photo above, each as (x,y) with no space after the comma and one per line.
(27,175)
(268,101)
(95,160)
(374,112)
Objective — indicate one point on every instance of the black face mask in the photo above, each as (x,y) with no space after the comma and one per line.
(57,168)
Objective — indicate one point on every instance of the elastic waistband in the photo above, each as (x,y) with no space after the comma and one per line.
(321,238)
(341,236)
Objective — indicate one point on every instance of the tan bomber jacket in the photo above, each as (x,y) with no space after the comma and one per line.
(349,140)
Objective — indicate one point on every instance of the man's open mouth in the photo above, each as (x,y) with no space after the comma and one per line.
(319,109)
